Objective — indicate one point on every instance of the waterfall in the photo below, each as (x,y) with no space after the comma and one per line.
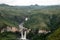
(25,35)
(23,32)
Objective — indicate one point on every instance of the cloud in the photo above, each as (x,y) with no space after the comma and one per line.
(29,2)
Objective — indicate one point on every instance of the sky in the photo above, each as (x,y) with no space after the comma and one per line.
(30,2)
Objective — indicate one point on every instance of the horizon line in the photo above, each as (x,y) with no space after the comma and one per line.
(29,5)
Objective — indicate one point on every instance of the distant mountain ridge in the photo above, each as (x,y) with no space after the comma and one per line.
(31,7)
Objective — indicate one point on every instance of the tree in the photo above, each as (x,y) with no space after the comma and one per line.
(54,21)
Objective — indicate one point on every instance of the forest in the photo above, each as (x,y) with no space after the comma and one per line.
(46,18)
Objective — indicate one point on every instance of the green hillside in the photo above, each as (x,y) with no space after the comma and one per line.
(55,35)
(39,17)
(13,15)
(37,21)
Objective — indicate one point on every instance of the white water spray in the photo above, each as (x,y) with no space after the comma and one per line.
(23,33)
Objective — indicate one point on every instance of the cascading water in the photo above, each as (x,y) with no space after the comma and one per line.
(23,32)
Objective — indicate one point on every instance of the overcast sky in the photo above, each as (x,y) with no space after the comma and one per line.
(30,2)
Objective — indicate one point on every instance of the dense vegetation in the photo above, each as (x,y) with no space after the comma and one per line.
(55,35)
(39,17)
(43,22)
(8,36)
